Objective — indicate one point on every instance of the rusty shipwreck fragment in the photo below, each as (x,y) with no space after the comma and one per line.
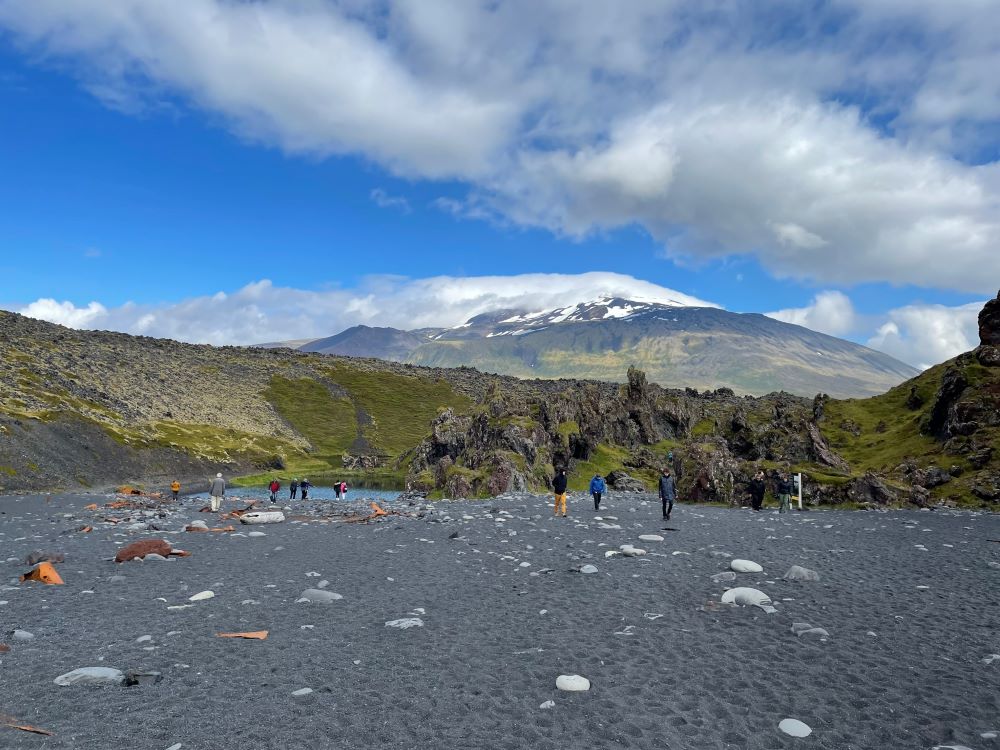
(44,572)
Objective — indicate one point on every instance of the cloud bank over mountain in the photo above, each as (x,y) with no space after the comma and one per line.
(920,335)
(841,142)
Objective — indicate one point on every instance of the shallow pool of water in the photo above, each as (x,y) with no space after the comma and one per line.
(315,493)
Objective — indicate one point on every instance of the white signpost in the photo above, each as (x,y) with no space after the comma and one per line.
(798,482)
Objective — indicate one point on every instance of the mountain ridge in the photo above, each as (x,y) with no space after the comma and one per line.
(677,345)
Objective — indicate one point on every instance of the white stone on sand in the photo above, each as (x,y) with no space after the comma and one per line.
(572,683)
(723,577)
(548,704)
(794,728)
(798,573)
(748,597)
(318,596)
(91,676)
(201,596)
(804,628)
(176,746)
(144,639)
(405,623)
(256,534)
(301,691)
(650,537)
(588,569)
(746,566)
(22,635)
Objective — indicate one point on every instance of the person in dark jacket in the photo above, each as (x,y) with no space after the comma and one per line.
(668,492)
(757,489)
(785,489)
(597,488)
(293,489)
(304,486)
(559,489)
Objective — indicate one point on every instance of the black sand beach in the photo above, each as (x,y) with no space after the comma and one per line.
(909,600)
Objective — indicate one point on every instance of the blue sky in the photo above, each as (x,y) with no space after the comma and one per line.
(134,186)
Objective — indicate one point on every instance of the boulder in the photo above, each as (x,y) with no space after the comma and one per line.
(622,482)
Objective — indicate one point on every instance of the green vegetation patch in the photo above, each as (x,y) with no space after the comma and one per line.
(327,421)
(400,407)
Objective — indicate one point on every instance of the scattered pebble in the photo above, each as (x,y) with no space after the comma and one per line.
(91,676)
(798,573)
(318,596)
(201,595)
(794,728)
(746,566)
(548,704)
(405,623)
(572,683)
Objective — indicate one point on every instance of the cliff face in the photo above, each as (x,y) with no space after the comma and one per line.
(83,409)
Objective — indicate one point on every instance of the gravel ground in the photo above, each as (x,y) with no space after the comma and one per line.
(498,609)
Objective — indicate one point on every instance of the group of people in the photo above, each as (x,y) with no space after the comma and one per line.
(217,490)
(598,486)
(785,487)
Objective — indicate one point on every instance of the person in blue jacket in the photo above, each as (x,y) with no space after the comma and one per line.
(597,488)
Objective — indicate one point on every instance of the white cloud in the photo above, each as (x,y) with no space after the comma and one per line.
(383,200)
(830,312)
(261,312)
(65,313)
(925,335)
(709,124)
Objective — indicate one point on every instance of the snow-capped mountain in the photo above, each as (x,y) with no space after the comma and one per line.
(678,345)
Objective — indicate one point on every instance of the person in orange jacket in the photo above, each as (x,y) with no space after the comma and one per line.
(175,487)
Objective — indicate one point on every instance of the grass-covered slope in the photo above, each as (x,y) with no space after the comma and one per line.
(246,410)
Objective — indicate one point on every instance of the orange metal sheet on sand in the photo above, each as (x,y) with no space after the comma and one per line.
(255,635)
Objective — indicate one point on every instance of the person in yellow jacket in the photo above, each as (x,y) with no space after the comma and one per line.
(175,487)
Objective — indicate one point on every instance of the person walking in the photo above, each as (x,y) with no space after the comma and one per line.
(559,488)
(293,488)
(668,492)
(342,488)
(175,487)
(304,486)
(757,489)
(784,493)
(275,486)
(218,491)
(597,488)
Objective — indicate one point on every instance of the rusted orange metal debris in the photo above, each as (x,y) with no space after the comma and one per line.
(44,572)
(254,635)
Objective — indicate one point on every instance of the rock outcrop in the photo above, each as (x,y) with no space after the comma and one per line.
(988,352)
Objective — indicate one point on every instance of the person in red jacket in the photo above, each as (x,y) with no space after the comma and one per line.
(275,486)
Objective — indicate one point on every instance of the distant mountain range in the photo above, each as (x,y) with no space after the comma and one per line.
(676,345)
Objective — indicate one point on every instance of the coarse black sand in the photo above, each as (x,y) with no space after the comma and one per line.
(909,599)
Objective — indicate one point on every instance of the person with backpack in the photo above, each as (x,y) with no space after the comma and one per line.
(275,486)
(304,486)
(597,488)
(757,489)
(293,489)
(559,485)
(668,492)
